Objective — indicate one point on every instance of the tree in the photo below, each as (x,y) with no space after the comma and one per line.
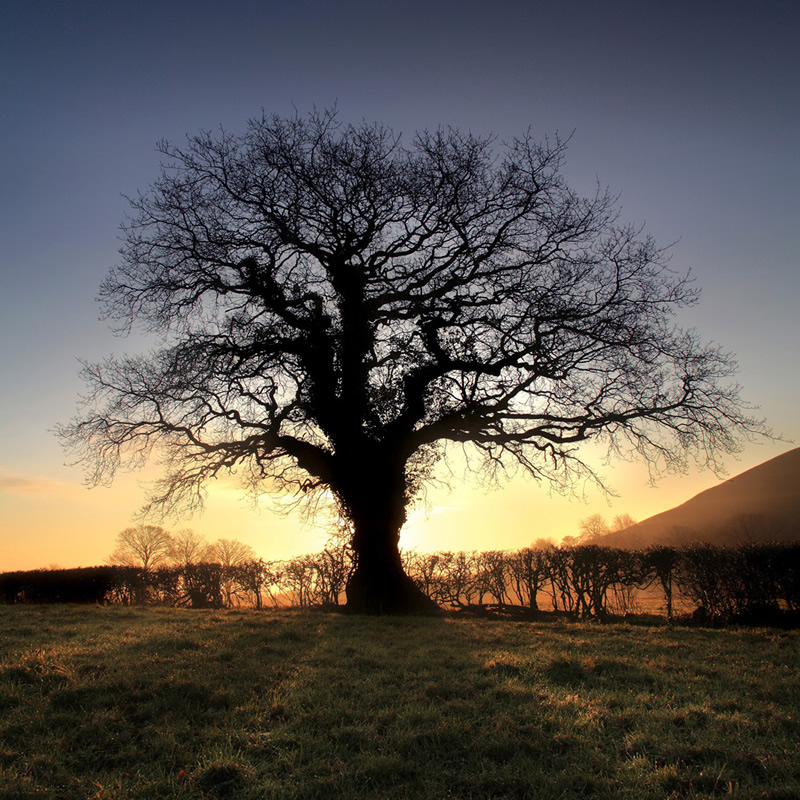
(333,566)
(229,552)
(591,529)
(662,562)
(231,555)
(188,547)
(145,546)
(254,578)
(298,577)
(529,568)
(595,527)
(340,311)
(622,522)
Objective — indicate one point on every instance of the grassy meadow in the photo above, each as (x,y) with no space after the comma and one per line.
(115,702)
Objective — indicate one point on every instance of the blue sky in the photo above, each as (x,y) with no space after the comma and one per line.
(689,110)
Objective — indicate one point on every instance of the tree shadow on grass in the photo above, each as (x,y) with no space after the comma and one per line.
(600,673)
(147,705)
(307,705)
(485,708)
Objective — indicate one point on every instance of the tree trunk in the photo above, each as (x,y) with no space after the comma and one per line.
(372,493)
(379,584)
(533,594)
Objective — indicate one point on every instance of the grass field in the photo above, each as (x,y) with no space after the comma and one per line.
(119,702)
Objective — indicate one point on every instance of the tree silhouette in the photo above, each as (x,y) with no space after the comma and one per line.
(188,547)
(229,552)
(340,311)
(590,528)
(145,546)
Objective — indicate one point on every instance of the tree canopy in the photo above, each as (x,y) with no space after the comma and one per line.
(338,307)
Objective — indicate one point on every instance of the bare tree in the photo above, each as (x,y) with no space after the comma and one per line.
(145,546)
(591,529)
(255,579)
(334,565)
(298,578)
(188,547)
(340,310)
(449,578)
(492,576)
(662,562)
(622,522)
(529,569)
(229,552)
(231,555)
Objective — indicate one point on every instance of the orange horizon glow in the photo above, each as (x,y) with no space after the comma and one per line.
(50,521)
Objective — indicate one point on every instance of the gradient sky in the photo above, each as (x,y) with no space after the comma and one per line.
(690,110)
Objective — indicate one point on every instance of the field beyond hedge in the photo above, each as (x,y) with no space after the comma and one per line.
(114,702)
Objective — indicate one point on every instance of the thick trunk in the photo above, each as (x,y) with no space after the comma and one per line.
(379,584)
(372,492)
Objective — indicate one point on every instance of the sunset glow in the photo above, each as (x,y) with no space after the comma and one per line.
(60,522)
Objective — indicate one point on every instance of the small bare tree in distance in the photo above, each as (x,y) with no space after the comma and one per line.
(145,546)
(230,552)
(188,547)
(340,310)
(592,528)
(621,522)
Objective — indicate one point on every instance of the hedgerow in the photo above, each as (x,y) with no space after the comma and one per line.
(748,583)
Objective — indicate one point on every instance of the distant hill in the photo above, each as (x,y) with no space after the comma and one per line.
(761,504)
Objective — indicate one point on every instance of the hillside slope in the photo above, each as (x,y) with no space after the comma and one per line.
(761,504)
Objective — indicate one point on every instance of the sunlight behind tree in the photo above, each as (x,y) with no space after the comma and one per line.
(340,312)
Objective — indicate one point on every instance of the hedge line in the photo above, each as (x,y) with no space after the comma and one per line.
(749,584)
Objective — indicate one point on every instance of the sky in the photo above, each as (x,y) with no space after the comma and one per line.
(690,110)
